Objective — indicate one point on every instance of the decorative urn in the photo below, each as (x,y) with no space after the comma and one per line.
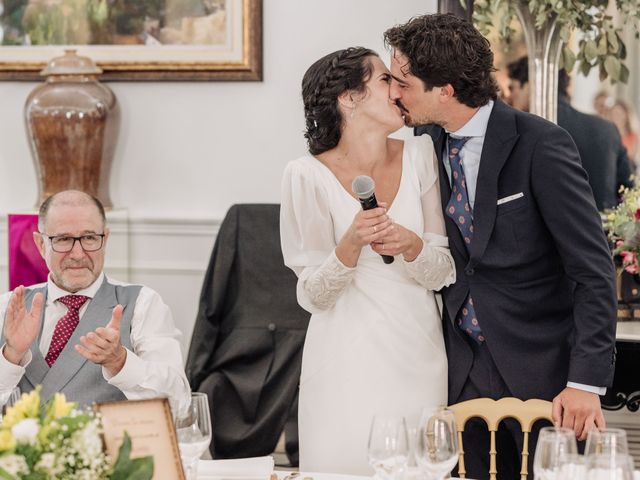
(72,125)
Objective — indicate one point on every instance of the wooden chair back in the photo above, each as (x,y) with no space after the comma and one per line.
(493,412)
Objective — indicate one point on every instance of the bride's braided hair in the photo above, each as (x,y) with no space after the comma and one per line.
(322,84)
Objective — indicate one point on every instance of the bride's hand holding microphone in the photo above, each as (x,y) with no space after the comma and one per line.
(399,241)
(368,227)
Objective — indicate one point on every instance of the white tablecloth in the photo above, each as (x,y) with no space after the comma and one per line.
(254,469)
(260,468)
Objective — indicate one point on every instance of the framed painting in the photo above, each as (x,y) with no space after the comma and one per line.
(135,39)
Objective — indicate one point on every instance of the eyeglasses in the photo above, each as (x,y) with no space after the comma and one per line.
(64,244)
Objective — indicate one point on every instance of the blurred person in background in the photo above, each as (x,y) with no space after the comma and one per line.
(601,149)
(602,103)
(623,118)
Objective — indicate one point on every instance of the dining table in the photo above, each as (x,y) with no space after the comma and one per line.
(261,468)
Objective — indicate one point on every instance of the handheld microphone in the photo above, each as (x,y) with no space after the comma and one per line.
(364,188)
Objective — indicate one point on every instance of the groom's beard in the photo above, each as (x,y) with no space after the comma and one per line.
(412,121)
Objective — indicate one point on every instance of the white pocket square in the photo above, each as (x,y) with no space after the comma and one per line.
(510,198)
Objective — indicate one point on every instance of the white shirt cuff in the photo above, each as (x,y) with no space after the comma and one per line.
(130,376)
(587,388)
(10,373)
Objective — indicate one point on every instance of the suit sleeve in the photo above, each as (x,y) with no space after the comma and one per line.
(565,200)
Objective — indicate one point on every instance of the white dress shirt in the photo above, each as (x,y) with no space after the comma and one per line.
(470,154)
(154,367)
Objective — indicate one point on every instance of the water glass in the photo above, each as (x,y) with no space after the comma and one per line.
(554,446)
(388,446)
(608,441)
(572,467)
(610,467)
(437,447)
(193,429)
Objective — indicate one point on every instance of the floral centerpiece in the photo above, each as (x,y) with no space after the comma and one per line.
(623,225)
(56,440)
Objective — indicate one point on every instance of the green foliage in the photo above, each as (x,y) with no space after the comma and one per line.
(4,475)
(131,469)
(602,46)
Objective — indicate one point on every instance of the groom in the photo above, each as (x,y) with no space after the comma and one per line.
(533,311)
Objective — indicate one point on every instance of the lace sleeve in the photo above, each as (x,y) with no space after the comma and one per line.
(434,267)
(323,285)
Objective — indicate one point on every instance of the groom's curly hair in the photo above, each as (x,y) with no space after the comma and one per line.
(445,49)
(322,84)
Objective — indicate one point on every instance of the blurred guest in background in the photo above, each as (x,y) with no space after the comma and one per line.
(622,117)
(601,150)
(602,103)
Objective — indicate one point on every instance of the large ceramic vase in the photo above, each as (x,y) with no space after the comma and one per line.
(72,124)
(543,46)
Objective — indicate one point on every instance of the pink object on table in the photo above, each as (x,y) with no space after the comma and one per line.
(26,266)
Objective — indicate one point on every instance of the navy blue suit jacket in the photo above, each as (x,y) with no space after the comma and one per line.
(538,269)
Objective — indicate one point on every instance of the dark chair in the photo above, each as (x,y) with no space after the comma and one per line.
(246,347)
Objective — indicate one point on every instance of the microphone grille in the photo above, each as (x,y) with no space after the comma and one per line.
(363,186)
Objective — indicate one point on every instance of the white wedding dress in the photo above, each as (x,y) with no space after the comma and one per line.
(374,343)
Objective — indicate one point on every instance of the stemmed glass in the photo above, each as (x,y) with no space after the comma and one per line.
(572,467)
(607,454)
(437,447)
(608,441)
(388,446)
(555,445)
(193,429)
(610,467)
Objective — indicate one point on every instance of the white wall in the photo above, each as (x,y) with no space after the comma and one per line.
(193,149)
(187,151)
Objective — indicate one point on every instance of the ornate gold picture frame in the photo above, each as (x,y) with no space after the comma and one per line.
(136,40)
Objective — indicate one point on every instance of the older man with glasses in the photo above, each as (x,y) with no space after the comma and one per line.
(80,333)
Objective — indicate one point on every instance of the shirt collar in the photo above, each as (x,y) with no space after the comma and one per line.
(54,292)
(477,125)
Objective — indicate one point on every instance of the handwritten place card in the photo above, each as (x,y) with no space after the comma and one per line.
(150,425)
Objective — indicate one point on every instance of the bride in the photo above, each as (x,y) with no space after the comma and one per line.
(374,343)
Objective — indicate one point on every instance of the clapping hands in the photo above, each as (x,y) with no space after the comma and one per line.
(103,345)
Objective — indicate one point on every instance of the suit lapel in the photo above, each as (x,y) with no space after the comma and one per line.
(69,362)
(499,140)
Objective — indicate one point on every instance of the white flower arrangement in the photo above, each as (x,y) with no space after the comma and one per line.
(56,440)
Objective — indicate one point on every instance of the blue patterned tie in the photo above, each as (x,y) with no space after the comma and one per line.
(459,209)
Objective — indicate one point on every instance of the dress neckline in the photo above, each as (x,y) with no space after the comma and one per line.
(348,194)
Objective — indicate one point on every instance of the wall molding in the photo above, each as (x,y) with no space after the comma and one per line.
(142,232)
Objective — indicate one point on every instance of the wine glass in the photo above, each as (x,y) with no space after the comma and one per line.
(608,441)
(388,445)
(437,443)
(193,428)
(554,446)
(610,467)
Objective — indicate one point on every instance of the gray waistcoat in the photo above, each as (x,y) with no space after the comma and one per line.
(79,379)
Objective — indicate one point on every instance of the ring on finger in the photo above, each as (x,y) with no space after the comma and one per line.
(374,229)
(382,243)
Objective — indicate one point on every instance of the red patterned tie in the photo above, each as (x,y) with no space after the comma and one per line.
(65,326)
